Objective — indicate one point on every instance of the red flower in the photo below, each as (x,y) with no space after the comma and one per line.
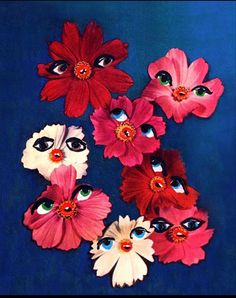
(84,68)
(159,182)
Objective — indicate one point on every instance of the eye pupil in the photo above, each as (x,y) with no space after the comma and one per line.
(164,77)
(175,183)
(116,111)
(47,205)
(103,61)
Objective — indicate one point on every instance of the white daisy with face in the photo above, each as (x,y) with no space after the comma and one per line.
(124,246)
(56,145)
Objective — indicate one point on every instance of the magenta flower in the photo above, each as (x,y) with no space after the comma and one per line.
(179,90)
(66,213)
(127,129)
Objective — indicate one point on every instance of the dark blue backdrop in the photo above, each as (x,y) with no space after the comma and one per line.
(202,29)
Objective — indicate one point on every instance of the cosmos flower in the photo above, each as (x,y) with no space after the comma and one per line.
(180,234)
(127,129)
(66,213)
(56,145)
(160,181)
(123,247)
(180,89)
(84,69)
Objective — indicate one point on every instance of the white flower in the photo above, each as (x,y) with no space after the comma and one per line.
(56,145)
(123,246)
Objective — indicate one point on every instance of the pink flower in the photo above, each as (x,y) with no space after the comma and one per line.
(66,213)
(128,129)
(180,234)
(179,90)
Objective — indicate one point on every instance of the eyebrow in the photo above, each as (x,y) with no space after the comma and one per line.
(78,188)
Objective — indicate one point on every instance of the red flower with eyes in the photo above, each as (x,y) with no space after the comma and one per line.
(159,182)
(84,69)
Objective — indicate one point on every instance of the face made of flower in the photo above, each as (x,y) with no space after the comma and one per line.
(159,182)
(180,234)
(127,129)
(123,247)
(56,145)
(179,89)
(66,213)
(84,69)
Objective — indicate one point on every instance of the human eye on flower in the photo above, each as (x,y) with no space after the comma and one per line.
(106,243)
(58,67)
(103,61)
(119,115)
(148,130)
(161,225)
(192,224)
(76,144)
(138,233)
(158,165)
(201,91)
(82,192)
(164,78)
(43,206)
(178,185)
(43,144)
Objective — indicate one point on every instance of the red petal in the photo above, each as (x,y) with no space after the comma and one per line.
(142,112)
(71,38)
(92,40)
(70,238)
(43,72)
(132,156)
(77,98)
(115,80)
(116,48)
(58,51)
(99,95)
(54,89)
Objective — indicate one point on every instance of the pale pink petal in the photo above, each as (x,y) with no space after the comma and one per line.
(117,149)
(196,73)
(167,104)
(132,156)
(193,256)
(142,112)
(65,178)
(179,60)
(35,221)
(70,239)
(154,90)
(124,103)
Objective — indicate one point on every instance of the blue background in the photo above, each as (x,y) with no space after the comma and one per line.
(201,29)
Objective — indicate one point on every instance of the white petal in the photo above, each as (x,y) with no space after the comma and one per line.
(123,273)
(144,249)
(106,262)
(139,267)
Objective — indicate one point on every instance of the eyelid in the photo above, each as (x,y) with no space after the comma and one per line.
(182,182)
(193,219)
(100,241)
(39,202)
(141,228)
(162,220)
(74,193)
(54,64)
(200,86)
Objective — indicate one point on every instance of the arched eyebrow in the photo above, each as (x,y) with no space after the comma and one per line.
(39,202)
(78,188)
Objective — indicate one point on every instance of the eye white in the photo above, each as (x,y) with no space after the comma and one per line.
(157,168)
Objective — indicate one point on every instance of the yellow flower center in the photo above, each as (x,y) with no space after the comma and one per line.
(157,184)
(125,132)
(181,93)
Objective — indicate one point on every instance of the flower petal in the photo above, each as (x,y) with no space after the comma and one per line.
(116,148)
(99,95)
(193,256)
(114,80)
(77,98)
(123,272)
(154,90)
(106,262)
(54,89)
(59,51)
(142,112)
(144,249)
(123,103)
(196,73)
(131,157)
(71,38)
(179,60)
(70,238)
(199,239)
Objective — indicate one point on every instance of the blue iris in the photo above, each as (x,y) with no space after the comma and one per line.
(119,115)
(157,167)
(107,244)
(177,186)
(147,130)
(191,224)
(138,233)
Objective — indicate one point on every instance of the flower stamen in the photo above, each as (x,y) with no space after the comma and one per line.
(125,132)
(177,234)
(83,70)
(157,184)
(181,93)
(67,209)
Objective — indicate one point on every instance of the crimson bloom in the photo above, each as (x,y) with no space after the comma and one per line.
(180,234)
(180,89)
(84,69)
(127,129)
(159,182)
(66,213)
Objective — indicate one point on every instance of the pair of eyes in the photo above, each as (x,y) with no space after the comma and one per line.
(120,115)
(191,224)
(177,183)
(165,79)
(45,205)
(45,143)
(107,243)
(60,66)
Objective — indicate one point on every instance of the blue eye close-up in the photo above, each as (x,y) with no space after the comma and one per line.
(147,130)
(191,224)
(119,115)
(157,167)
(106,244)
(161,225)
(138,233)
(177,186)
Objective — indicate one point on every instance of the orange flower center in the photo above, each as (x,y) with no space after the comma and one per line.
(82,70)
(125,132)
(67,209)
(180,93)
(157,184)
(56,155)
(177,234)
(126,245)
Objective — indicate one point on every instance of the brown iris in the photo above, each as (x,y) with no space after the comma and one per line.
(67,209)
(125,132)
(82,70)
(181,93)
(177,234)
(157,184)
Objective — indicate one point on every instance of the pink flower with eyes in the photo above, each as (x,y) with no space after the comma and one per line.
(128,129)
(180,234)
(67,213)
(180,89)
